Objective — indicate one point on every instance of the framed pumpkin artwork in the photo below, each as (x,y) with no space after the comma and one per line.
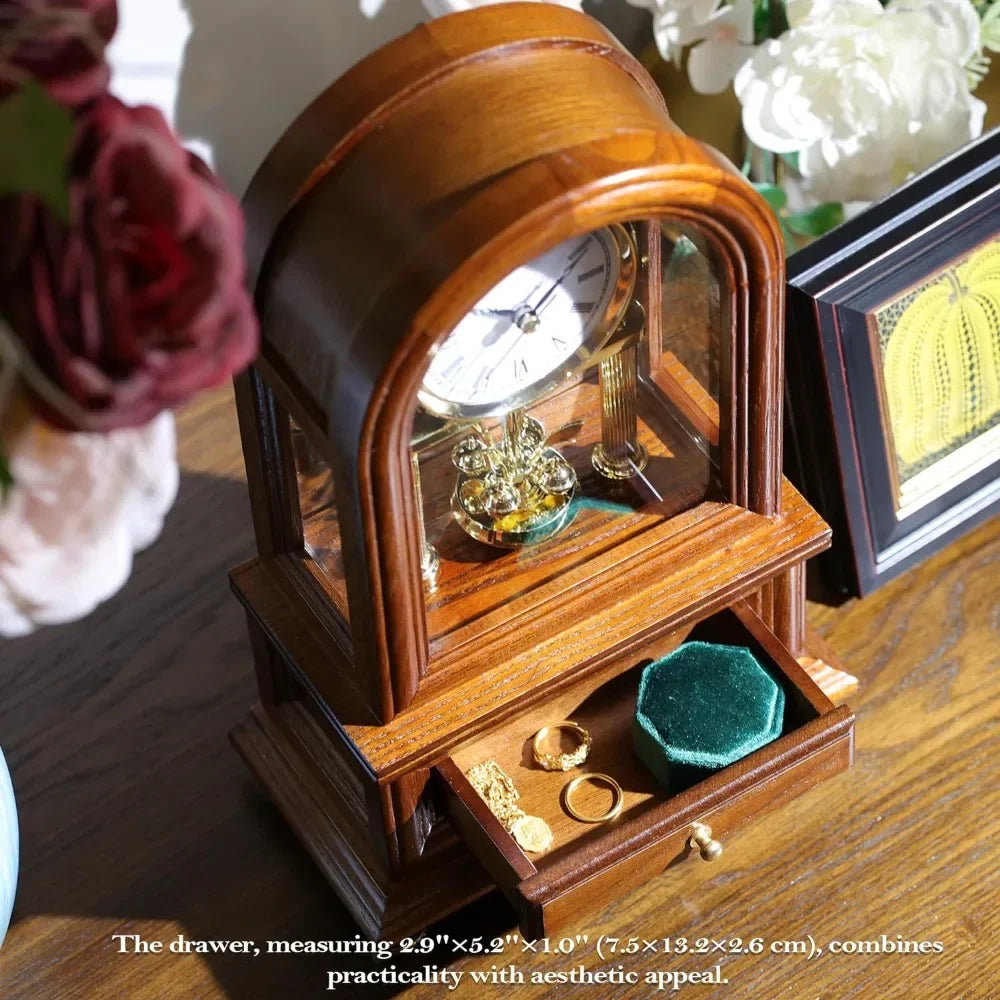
(893,371)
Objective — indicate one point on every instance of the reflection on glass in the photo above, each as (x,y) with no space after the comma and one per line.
(692,308)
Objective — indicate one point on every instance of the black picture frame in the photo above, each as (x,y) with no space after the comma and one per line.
(838,449)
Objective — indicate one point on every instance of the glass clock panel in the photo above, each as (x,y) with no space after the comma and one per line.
(528,486)
(691,313)
(320,530)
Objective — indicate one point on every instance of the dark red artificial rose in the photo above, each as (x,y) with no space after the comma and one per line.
(59,43)
(139,302)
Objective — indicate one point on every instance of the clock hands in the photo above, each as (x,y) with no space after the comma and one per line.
(573,261)
(524,317)
(510,314)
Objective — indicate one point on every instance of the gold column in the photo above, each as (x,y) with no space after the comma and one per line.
(619,455)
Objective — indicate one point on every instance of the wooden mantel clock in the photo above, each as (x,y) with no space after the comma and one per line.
(515,431)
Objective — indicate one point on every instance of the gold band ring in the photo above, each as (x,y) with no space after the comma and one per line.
(561,761)
(604,779)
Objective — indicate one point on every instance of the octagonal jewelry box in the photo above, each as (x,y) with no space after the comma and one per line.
(701,708)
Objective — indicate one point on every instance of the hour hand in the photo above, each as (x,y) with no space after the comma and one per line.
(499,313)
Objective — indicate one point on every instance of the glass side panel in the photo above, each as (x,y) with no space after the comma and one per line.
(320,530)
(692,316)
(522,506)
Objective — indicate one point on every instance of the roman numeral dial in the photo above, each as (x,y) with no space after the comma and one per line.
(533,329)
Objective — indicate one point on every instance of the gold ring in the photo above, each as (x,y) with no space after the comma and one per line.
(561,761)
(616,791)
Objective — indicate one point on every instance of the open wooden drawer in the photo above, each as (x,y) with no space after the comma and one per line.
(588,864)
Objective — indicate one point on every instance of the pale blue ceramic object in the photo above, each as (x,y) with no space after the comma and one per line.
(8,848)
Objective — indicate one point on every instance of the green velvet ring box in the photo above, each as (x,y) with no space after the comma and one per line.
(703,707)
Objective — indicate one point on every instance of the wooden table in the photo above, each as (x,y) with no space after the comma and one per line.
(138,818)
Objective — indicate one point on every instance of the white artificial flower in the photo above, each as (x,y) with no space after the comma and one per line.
(438,8)
(955,24)
(818,11)
(866,96)
(80,506)
(678,23)
(727,45)
(699,10)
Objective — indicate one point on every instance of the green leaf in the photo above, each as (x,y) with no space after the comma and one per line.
(773,195)
(792,159)
(35,137)
(818,220)
(6,478)
(762,20)
(769,19)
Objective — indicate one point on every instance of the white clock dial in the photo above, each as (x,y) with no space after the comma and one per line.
(532,329)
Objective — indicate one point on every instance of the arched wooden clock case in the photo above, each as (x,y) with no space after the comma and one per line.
(404,193)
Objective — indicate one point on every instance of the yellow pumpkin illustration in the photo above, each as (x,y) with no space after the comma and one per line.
(942,360)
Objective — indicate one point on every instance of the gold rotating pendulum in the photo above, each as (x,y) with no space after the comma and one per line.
(515,491)
(520,490)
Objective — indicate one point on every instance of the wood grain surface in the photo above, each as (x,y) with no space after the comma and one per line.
(137,817)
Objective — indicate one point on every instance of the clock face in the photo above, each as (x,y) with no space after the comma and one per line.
(534,329)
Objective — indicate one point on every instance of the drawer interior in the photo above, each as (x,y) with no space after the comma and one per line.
(588,863)
(605,708)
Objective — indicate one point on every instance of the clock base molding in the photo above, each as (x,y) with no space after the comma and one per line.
(445,878)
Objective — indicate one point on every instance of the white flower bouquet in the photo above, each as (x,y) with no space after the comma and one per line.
(850,97)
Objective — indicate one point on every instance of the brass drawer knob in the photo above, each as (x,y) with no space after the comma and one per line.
(701,838)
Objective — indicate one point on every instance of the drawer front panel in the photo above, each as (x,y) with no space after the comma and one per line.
(546,904)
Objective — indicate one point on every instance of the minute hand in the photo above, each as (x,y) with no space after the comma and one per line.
(573,261)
